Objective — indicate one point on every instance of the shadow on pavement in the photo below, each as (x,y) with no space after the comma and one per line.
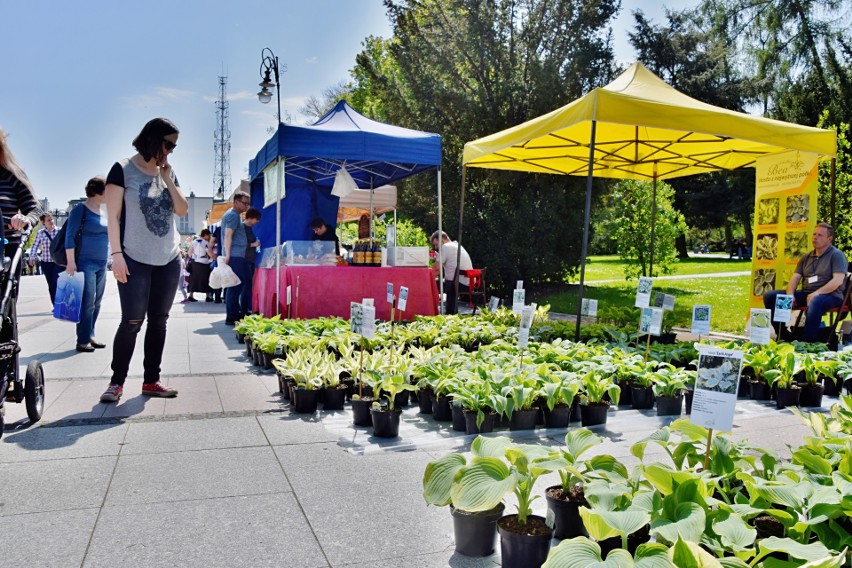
(48,437)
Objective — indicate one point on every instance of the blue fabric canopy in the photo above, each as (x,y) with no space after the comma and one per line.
(374,154)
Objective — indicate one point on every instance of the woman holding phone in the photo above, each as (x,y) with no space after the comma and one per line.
(143,196)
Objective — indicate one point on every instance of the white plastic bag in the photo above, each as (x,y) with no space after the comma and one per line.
(223,276)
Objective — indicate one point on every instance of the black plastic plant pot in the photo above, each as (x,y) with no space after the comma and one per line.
(424,401)
(556,418)
(641,536)
(241,337)
(575,410)
(386,423)
(267,360)
(744,390)
(567,522)
(441,410)
(400,400)
(787,397)
(361,412)
(643,398)
(334,398)
(626,398)
(669,405)
(811,395)
(830,387)
(523,550)
(470,422)
(687,399)
(760,390)
(593,414)
(476,533)
(458,418)
(523,419)
(305,401)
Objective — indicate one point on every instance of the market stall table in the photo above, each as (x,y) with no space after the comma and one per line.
(319,291)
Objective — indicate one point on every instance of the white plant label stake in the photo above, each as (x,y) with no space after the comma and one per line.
(701,320)
(759,326)
(643,292)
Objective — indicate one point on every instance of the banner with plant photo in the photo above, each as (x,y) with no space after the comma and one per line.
(786,191)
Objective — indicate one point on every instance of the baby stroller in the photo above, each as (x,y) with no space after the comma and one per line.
(12,389)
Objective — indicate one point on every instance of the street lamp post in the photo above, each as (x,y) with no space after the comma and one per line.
(269,68)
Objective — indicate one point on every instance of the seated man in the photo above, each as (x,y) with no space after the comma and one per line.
(821,273)
(449,255)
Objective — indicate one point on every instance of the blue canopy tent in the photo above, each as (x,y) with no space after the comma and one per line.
(373,153)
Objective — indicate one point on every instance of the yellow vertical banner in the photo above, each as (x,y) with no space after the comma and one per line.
(785,209)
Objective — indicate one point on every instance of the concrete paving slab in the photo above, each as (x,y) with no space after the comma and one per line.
(16,414)
(256,530)
(187,435)
(50,539)
(390,520)
(204,474)
(134,403)
(79,401)
(287,429)
(197,395)
(435,560)
(245,392)
(56,485)
(62,443)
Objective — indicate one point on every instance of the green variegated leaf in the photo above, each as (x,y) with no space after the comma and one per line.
(533,451)
(580,552)
(689,554)
(481,485)
(692,431)
(652,555)
(490,447)
(687,523)
(827,562)
(578,441)
(812,462)
(438,479)
(606,496)
(735,533)
(660,437)
(607,524)
(732,562)
(650,501)
(608,467)
(790,495)
(810,552)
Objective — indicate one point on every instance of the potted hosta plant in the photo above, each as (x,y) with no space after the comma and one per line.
(564,500)
(520,409)
(386,416)
(481,405)
(596,384)
(475,531)
(558,393)
(500,468)
(642,395)
(814,369)
(787,391)
(669,385)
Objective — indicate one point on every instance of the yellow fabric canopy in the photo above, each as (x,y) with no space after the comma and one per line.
(645,129)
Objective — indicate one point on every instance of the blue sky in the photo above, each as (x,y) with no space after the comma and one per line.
(81,78)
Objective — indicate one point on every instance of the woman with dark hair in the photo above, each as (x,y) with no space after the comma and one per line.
(143,196)
(91,259)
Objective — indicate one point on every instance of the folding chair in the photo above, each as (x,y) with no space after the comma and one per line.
(476,287)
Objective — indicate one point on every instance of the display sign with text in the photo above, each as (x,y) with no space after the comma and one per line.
(716,383)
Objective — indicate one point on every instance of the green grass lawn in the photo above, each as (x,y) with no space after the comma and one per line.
(610,267)
(728,296)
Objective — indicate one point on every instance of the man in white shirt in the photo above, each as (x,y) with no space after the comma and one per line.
(449,253)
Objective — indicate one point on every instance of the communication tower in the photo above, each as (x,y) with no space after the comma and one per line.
(222,143)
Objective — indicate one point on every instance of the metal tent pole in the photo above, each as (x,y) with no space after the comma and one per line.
(440,230)
(456,276)
(653,222)
(586,213)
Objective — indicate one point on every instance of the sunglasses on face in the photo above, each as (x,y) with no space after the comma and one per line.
(169,145)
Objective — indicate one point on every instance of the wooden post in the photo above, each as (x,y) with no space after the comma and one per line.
(648,347)
(707,454)
(360,367)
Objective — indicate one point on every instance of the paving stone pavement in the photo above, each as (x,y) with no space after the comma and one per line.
(224,474)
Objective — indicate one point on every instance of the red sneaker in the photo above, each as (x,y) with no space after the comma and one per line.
(112,394)
(156,389)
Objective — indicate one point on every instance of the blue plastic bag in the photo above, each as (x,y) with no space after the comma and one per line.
(69,297)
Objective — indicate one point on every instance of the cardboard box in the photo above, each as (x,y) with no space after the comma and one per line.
(408,256)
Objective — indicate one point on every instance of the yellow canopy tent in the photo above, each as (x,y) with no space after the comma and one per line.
(639,127)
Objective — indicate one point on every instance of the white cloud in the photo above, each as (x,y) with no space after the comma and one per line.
(311,60)
(159,96)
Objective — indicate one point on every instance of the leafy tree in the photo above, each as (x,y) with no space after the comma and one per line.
(633,229)
(843,189)
(467,68)
(408,234)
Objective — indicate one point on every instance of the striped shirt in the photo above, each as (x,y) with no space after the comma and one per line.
(41,244)
(15,197)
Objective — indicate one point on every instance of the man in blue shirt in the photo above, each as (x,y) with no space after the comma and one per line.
(234,246)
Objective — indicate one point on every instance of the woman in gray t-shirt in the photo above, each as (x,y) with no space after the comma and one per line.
(143,198)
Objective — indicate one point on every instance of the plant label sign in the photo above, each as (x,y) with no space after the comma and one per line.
(356,315)
(589,307)
(403,298)
(643,292)
(665,301)
(493,304)
(783,308)
(759,326)
(519,299)
(289,295)
(367,301)
(651,321)
(716,384)
(390,292)
(526,324)
(368,322)
(701,320)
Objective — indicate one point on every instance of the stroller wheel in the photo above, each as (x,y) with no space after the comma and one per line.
(34,391)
